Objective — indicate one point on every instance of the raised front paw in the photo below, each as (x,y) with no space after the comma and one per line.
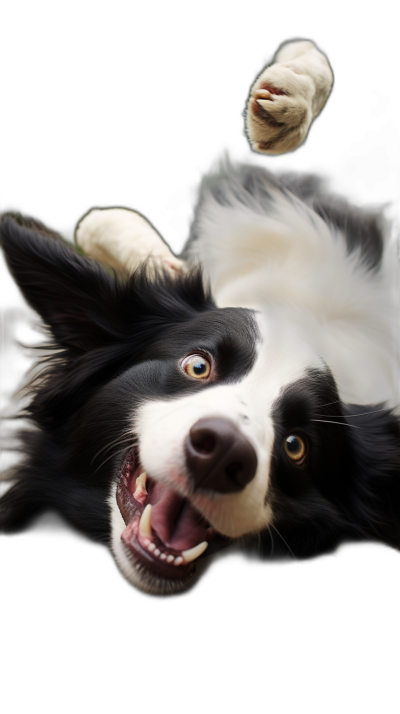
(279,110)
(287,96)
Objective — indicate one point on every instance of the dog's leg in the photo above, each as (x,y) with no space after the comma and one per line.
(283,101)
(123,239)
(287,96)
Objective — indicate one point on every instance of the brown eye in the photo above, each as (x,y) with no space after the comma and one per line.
(295,448)
(197,366)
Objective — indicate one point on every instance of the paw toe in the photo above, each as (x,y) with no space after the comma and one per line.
(262,94)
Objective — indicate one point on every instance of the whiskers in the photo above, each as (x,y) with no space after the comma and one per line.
(340,423)
(125,440)
(270,527)
(282,539)
(107,447)
(342,419)
(353,416)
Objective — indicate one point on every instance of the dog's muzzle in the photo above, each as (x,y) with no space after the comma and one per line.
(218,456)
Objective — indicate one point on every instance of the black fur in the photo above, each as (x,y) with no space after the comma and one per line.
(349,485)
(116,342)
(113,344)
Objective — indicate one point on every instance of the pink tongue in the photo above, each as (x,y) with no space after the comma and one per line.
(174,520)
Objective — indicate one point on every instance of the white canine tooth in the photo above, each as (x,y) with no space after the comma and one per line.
(141,480)
(178,560)
(145,522)
(151,547)
(157,552)
(170,559)
(140,493)
(193,553)
(163,556)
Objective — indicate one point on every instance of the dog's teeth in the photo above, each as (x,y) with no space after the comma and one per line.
(163,556)
(141,480)
(140,488)
(178,560)
(151,547)
(170,558)
(193,553)
(145,524)
(157,552)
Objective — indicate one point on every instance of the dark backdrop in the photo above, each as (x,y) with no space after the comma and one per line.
(133,112)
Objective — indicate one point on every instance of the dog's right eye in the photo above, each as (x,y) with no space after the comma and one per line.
(296,448)
(196,366)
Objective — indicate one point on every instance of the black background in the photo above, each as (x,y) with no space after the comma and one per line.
(129,111)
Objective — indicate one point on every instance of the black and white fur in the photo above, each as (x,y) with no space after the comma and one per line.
(299,327)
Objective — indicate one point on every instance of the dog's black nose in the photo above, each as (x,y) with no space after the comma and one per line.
(219,457)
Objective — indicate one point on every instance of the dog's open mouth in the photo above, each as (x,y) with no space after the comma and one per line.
(164,532)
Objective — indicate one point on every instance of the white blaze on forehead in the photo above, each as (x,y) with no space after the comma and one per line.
(283,357)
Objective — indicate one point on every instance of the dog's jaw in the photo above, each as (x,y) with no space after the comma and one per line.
(135,570)
(159,555)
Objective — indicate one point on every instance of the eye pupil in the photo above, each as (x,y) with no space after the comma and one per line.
(295,448)
(293,444)
(196,366)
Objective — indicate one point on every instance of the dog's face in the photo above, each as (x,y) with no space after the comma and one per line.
(219,404)
(173,427)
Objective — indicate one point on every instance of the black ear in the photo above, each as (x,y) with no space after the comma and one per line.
(74,295)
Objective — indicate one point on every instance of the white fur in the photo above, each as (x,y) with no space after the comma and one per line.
(163,425)
(303,73)
(291,265)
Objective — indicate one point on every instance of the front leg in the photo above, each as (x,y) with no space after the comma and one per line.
(286,97)
(123,239)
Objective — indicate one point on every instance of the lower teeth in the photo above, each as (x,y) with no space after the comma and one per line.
(145,537)
(186,557)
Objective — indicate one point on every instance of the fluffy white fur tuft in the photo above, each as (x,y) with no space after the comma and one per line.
(295,268)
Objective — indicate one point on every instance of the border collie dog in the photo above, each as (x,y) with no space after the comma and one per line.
(247,390)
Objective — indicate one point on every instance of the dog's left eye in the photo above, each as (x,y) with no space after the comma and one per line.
(196,366)
(295,448)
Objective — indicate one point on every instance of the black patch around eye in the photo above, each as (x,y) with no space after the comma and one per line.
(303,415)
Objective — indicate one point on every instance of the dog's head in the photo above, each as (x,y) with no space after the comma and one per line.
(170,427)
